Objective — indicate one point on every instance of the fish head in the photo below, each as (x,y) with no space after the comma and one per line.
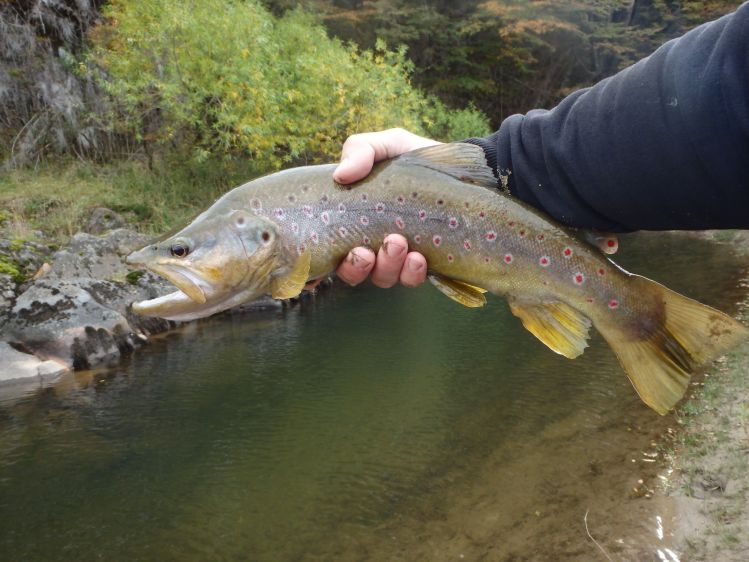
(215,262)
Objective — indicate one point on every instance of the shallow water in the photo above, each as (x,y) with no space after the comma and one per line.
(361,425)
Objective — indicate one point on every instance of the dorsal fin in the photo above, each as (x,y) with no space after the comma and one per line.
(466,162)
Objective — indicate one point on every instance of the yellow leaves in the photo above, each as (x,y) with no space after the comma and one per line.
(245,53)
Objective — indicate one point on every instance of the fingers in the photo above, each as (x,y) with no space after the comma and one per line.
(414,272)
(357,266)
(394,263)
(390,261)
(360,152)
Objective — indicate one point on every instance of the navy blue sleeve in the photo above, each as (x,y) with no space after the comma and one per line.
(663,144)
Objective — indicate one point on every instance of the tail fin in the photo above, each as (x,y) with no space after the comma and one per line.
(660,360)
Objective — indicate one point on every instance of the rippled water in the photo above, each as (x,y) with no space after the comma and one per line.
(361,425)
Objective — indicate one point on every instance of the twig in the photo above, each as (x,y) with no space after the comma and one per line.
(595,542)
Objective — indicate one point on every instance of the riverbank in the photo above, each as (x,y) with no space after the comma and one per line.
(707,472)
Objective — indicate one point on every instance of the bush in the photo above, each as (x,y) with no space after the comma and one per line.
(226,79)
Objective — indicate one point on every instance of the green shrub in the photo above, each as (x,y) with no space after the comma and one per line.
(227,80)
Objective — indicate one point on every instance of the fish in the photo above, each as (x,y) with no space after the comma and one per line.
(276,233)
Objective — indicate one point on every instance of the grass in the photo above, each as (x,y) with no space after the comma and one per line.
(58,198)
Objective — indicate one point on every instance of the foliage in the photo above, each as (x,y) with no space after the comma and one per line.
(227,79)
(510,56)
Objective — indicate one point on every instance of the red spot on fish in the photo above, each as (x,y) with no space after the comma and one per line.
(414,195)
(342,231)
(292,198)
(611,243)
(279,213)
(313,236)
(365,239)
(521,233)
(307,210)
(511,224)
(364,197)
(301,248)
(508,258)
(325,217)
(601,271)
(544,261)
(399,223)
(452,223)
(440,201)
(294,228)
(567,252)
(341,208)
(401,199)
(467,244)
(423,215)
(364,220)
(450,258)
(578,278)
(437,239)
(589,300)
(613,303)
(380,208)
(467,204)
(482,214)
(540,237)
(255,204)
(486,259)
(417,238)
(491,236)
(324,198)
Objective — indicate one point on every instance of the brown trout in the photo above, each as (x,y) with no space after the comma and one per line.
(276,233)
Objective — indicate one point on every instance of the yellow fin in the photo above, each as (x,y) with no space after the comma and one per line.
(686,334)
(291,284)
(559,326)
(465,294)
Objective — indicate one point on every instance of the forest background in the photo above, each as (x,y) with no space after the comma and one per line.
(154,108)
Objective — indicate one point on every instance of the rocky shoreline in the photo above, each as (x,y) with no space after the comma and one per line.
(69,309)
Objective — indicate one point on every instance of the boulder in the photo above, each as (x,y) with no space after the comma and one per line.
(77,313)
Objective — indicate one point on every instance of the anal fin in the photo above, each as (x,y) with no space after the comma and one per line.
(559,326)
(290,285)
(465,294)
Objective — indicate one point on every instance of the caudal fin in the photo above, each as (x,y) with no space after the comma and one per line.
(662,357)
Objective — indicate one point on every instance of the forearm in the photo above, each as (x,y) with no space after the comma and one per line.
(664,144)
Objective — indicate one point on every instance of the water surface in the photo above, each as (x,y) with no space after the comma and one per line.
(361,425)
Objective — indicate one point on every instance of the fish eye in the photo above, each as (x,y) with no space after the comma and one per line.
(265,236)
(179,250)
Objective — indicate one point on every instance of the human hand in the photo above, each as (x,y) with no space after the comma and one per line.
(393,262)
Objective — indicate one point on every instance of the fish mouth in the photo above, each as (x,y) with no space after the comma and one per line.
(187,281)
(191,294)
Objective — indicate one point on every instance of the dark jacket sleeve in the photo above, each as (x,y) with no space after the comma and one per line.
(663,144)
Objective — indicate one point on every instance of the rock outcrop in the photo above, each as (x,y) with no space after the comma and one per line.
(76,311)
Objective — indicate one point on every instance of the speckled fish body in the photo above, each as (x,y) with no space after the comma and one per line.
(275,233)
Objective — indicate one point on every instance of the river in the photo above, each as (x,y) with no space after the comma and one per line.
(359,425)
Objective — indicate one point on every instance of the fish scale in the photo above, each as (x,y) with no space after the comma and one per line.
(274,234)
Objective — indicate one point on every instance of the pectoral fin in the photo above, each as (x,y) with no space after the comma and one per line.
(465,294)
(559,326)
(290,285)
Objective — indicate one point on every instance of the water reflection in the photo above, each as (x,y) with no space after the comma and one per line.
(361,426)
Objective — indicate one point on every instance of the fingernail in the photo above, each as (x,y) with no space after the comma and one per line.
(357,261)
(393,250)
(337,172)
(414,265)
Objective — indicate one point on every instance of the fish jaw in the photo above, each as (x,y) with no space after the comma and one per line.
(179,307)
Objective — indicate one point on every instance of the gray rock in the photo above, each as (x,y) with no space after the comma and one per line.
(21,368)
(103,220)
(78,313)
